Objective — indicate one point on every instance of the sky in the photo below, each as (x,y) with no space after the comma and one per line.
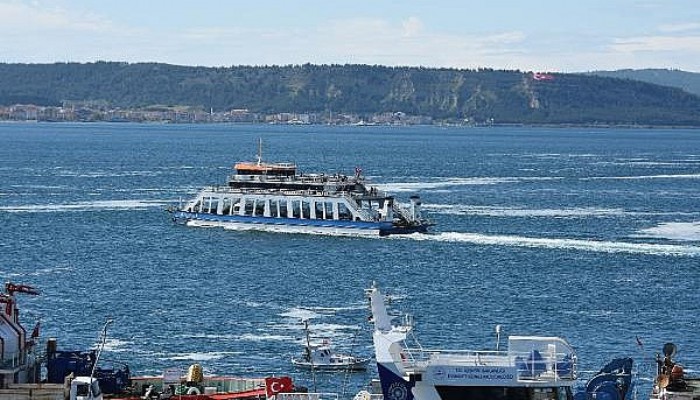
(547,35)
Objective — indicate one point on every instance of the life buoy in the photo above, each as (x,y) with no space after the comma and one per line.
(193,390)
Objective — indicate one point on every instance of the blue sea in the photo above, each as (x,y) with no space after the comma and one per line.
(589,234)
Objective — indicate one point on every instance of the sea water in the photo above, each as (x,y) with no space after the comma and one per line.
(589,234)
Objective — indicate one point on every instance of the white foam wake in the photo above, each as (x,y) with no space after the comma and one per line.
(439,183)
(551,243)
(491,211)
(86,206)
(641,177)
(684,231)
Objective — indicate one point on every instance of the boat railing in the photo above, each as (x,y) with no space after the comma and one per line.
(546,362)
(271,192)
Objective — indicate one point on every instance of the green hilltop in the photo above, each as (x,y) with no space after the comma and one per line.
(445,95)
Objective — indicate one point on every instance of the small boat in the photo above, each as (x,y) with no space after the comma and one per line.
(672,382)
(276,197)
(531,368)
(320,356)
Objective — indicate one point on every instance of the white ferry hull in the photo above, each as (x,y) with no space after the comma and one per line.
(287,225)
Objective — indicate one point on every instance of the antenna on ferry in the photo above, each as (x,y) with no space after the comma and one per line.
(498,336)
(259,151)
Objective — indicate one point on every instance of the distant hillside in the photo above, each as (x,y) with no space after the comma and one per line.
(688,81)
(478,96)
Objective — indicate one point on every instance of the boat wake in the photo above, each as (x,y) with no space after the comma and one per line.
(105,205)
(551,243)
(517,212)
(683,231)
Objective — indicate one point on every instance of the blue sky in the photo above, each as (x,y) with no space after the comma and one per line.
(564,35)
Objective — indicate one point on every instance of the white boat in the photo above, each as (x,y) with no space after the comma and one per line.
(320,356)
(672,382)
(531,368)
(275,197)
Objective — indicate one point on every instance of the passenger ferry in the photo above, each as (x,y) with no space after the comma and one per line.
(275,197)
(531,368)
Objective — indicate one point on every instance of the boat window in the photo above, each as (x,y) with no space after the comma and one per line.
(319,210)
(274,205)
(329,209)
(283,209)
(296,209)
(343,212)
(305,209)
(213,205)
(259,208)
(235,205)
(226,206)
(249,207)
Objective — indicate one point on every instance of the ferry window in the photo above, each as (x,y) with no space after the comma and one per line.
(213,205)
(259,208)
(329,210)
(296,209)
(305,209)
(196,206)
(283,208)
(226,206)
(319,210)
(249,207)
(273,208)
(235,206)
(344,212)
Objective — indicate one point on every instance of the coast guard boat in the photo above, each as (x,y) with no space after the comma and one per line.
(532,367)
(275,197)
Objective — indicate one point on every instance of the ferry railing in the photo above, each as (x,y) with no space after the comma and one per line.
(546,365)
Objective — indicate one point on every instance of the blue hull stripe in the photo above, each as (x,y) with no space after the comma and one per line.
(325,223)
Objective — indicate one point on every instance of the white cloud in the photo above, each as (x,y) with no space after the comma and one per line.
(658,44)
(412,26)
(680,27)
(34,17)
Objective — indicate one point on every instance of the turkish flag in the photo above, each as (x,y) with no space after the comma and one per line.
(278,385)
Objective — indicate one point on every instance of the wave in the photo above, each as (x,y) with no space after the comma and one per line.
(642,177)
(575,212)
(249,337)
(489,211)
(439,183)
(86,206)
(447,182)
(203,356)
(681,231)
(551,243)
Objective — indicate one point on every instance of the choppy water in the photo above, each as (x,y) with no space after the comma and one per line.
(593,235)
